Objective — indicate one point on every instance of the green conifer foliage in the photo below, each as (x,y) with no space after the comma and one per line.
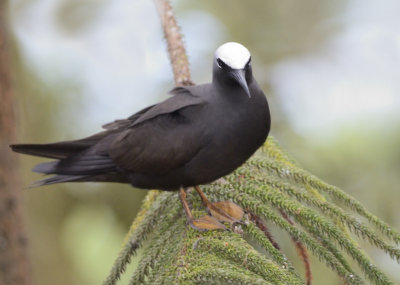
(271,186)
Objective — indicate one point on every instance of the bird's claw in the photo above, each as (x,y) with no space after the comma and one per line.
(206,223)
(226,211)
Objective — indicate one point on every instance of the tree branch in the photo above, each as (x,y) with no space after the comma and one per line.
(176,48)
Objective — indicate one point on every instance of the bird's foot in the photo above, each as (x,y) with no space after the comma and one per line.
(206,223)
(226,211)
(223,211)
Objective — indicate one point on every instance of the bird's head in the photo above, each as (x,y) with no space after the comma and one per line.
(232,66)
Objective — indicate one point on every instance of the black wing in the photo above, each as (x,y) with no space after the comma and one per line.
(153,140)
(163,138)
(182,98)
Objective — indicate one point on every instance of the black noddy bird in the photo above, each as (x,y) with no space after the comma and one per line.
(198,135)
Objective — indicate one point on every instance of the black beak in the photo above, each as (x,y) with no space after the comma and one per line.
(240,76)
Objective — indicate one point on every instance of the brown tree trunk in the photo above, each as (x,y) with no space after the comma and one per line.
(14,265)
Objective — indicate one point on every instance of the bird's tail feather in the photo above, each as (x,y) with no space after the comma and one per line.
(58,150)
(57,179)
(46,167)
(54,150)
(61,178)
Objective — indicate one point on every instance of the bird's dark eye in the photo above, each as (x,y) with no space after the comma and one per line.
(221,64)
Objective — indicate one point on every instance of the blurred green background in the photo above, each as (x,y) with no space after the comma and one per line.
(330,69)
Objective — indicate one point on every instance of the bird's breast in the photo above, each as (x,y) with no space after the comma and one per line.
(231,132)
(245,125)
(235,133)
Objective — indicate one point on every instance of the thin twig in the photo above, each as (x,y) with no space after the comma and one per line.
(301,250)
(263,227)
(176,48)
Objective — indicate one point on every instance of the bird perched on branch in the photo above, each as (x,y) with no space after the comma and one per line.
(198,135)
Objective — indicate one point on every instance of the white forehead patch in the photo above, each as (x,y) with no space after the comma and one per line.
(233,54)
